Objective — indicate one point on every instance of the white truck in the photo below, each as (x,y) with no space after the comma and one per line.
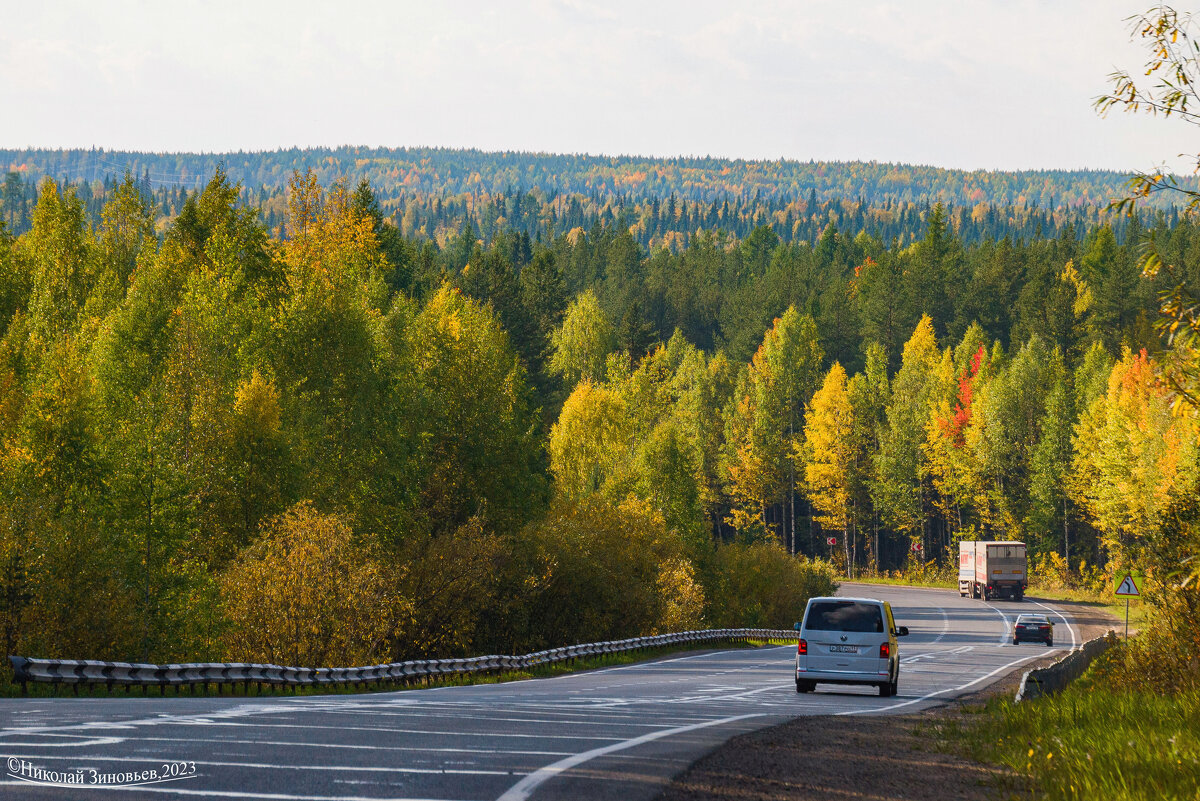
(991,569)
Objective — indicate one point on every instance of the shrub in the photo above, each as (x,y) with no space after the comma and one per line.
(442,585)
(603,571)
(1165,656)
(1050,571)
(758,585)
(306,594)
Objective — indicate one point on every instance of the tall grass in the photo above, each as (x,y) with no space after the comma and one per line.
(1102,739)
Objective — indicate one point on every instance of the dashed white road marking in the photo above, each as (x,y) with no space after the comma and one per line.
(74,743)
(348,746)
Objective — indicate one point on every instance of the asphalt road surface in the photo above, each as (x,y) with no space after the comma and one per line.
(618,733)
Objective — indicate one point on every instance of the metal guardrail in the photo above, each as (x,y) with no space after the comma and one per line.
(1054,678)
(127,674)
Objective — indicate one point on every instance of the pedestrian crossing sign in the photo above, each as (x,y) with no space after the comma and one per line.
(1128,585)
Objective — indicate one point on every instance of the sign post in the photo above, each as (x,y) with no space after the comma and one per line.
(1129,585)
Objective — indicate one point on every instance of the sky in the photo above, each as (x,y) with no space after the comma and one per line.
(971,84)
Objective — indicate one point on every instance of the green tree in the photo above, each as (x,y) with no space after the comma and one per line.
(869,395)
(126,227)
(394,248)
(765,420)
(590,444)
(899,490)
(582,342)
(58,254)
(1050,507)
(478,452)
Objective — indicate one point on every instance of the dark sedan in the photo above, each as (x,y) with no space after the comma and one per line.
(1033,627)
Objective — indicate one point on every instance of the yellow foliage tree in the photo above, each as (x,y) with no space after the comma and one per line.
(306,595)
(1138,462)
(590,442)
(330,244)
(828,453)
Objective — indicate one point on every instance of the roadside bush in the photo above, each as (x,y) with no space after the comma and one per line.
(1165,656)
(940,572)
(1093,579)
(442,585)
(1049,571)
(307,594)
(758,585)
(602,571)
(934,571)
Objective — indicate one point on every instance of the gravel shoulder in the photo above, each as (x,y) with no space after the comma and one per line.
(863,757)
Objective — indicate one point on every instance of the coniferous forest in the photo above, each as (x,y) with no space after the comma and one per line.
(318,424)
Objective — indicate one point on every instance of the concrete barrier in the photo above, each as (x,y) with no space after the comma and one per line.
(1052,679)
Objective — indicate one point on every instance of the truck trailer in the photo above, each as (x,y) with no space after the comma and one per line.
(991,569)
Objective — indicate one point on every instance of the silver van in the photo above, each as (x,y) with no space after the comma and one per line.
(848,641)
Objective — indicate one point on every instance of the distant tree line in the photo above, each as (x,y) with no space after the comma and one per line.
(655,222)
(447,171)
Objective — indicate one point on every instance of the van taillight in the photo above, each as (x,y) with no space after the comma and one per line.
(802,648)
(885,650)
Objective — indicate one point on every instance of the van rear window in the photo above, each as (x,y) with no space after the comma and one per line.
(844,616)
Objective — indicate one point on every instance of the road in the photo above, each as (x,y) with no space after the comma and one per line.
(616,733)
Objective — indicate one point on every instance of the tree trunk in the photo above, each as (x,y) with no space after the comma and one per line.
(147,556)
(792,492)
(1066,536)
(846,549)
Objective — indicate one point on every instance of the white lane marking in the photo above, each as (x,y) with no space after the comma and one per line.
(492,719)
(936,693)
(1006,632)
(75,744)
(224,793)
(935,654)
(1070,628)
(269,766)
(422,732)
(315,726)
(945,624)
(645,665)
(524,788)
(223,741)
(690,699)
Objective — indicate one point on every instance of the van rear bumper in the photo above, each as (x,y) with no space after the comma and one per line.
(839,677)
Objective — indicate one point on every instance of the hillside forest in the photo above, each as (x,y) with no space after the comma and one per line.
(336,441)
(432,194)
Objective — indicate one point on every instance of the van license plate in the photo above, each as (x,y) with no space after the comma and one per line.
(843,649)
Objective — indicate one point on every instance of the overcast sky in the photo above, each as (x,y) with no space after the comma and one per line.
(963,83)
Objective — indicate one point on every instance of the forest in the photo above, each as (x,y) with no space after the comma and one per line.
(337,441)
(433,194)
